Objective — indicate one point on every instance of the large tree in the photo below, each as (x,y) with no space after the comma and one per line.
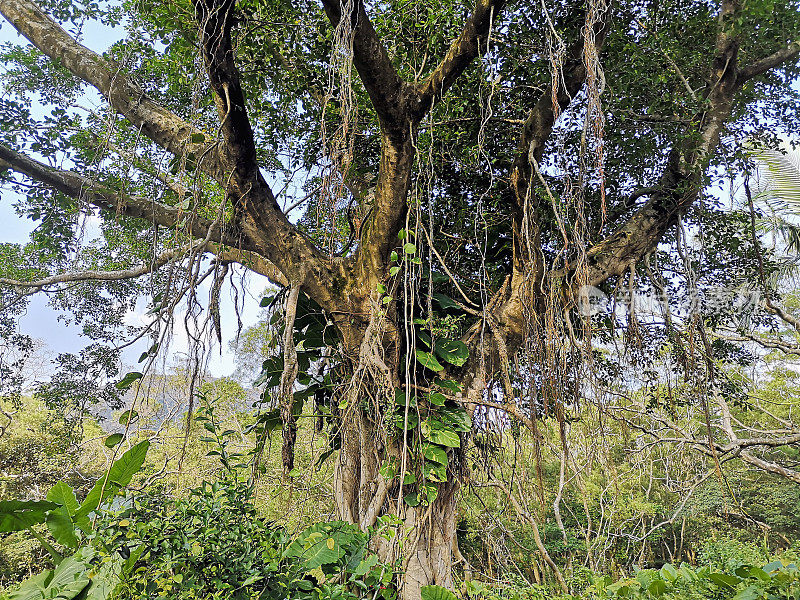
(486,164)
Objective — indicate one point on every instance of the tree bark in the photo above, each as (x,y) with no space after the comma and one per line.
(424,540)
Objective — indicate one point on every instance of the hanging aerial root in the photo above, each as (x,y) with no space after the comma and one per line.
(595,83)
(339,146)
(213,307)
(288,377)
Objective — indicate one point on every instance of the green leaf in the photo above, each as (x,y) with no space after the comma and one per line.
(400,420)
(18,515)
(113,440)
(724,580)
(448,384)
(456,418)
(424,338)
(366,565)
(128,415)
(322,544)
(198,138)
(394,271)
(69,579)
(428,361)
(743,571)
(752,592)
(128,380)
(439,435)
(645,577)
(61,525)
(118,476)
(687,572)
(388,469)
(409,248)
(62,522)
(434,472)
(437,592)
(669,573)
(453,351)
(412,499)
(250,580)
(33,588)
(657,588)
(775,565)
(437,399)
(150,352)
(61,493)
(393,256)
(445,301)
(64,583)
(402,399)
(271,420)
(434,453)
(323,457)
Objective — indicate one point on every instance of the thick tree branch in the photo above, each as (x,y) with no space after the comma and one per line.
(251,260)
(84,189)
(256,211)
(771,467)
(541,118)
(215,18)
(684,175)
(225,246)
(266,231)
(96,275)
(536,131)
(386,89)
(512,303)
(379,232)
(773,343)
(772,61)
(781,314)
(681,183)
(160,125)
(463,50)
(399,112)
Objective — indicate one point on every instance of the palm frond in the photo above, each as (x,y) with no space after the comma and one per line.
(779,178)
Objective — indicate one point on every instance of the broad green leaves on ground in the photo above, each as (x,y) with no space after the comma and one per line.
(17,515)
(118,476)
(65,582)
(437,592)
(67,520)
(776,580)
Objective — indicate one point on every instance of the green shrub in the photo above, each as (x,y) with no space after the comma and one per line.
(777,580)
(729,554)
(214,545)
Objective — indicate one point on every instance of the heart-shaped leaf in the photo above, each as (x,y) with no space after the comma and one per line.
(428,360)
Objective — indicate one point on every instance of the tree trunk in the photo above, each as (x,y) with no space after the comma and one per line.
(423,535)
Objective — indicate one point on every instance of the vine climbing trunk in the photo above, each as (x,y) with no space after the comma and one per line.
(379,467)
(423,536)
